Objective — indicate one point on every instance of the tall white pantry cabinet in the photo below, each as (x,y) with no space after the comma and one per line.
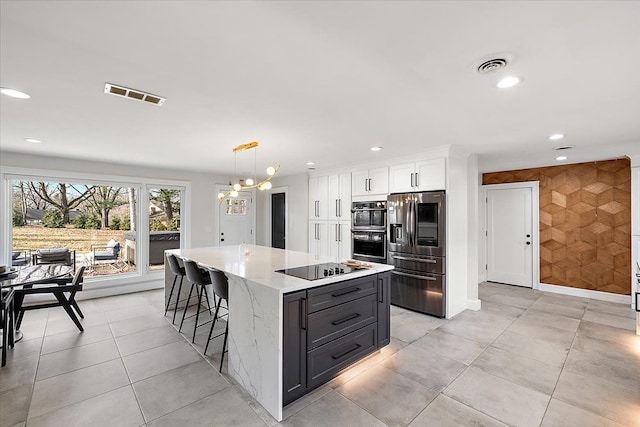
(330,215)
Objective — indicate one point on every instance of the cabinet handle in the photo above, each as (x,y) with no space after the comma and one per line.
(380,290)
(303,313)
(345,319)
(369,184)
(344,353)
(417,180)
(412,180)
(414,276)
(337,233)
(339,207)
(345,292)
(337,212)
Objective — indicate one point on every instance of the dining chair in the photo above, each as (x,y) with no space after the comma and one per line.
(58,288)
(220,284)
(7,321)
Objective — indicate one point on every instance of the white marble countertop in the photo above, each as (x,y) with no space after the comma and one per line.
(262,262)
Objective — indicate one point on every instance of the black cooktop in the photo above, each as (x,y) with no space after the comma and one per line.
(318,271)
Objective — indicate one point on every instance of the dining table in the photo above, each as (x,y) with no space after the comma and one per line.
(27,276)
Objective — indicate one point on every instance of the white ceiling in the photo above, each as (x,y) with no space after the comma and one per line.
(319,81)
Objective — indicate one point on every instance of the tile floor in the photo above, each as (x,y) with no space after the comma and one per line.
(528,358)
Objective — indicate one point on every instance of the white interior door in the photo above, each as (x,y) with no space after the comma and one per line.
(510,236)
(236,220)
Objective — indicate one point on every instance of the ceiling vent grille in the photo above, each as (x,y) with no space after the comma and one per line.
(492,65)
(564,147)
(126,92)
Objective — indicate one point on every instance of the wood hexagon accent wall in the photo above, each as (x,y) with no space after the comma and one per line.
(585,223)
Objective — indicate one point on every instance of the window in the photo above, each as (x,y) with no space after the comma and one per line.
(88,222)
(101,221)
(164,223)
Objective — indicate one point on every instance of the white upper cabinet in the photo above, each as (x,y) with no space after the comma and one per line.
(339,200)
(370,181)
(424,175)
(318,206)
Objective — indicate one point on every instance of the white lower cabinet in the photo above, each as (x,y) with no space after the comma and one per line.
(330,238)
(319,238)
(340,239)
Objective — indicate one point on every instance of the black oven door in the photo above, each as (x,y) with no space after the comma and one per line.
(369,246)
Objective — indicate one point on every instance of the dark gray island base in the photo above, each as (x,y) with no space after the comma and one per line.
(330,327)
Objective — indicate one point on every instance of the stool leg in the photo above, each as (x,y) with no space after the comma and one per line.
(195,325)
(5,335)
(166,308)
(175,310)
(224,345)
(204,289)
(213,324)
(186,307)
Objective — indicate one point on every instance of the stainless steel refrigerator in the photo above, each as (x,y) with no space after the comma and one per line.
(416,248)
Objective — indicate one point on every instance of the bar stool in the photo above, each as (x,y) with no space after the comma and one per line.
(199,279)
(7,322)
(175,268)
(221,289)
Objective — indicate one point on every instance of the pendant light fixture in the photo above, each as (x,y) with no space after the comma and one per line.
(250,182)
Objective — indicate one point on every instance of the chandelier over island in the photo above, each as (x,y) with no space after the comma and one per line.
(250,182)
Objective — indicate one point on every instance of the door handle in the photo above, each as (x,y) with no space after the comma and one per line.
(528,243)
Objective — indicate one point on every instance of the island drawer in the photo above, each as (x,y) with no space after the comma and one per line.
(327,360)
(331,295)
(339,320)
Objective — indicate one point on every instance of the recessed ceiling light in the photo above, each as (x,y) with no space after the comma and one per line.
(560,158)
(35,141)
(14,93)
(555,136)
(509,81)
(376,148)
(310,163)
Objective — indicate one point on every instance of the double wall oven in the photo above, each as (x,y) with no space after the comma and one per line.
(369,231)
(416,227)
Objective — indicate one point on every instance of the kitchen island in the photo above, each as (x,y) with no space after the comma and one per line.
(279,353)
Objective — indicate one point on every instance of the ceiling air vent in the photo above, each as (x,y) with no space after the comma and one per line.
(126,92)
(492,65)
(564,147)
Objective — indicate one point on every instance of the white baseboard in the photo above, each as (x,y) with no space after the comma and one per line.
(473,304)
(585,293)
(88,293)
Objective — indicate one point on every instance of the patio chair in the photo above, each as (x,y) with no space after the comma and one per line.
(109,252)
(20,257)
(55,256)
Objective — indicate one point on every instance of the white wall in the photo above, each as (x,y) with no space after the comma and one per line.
(297,210)
(458,253)
(473,230)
